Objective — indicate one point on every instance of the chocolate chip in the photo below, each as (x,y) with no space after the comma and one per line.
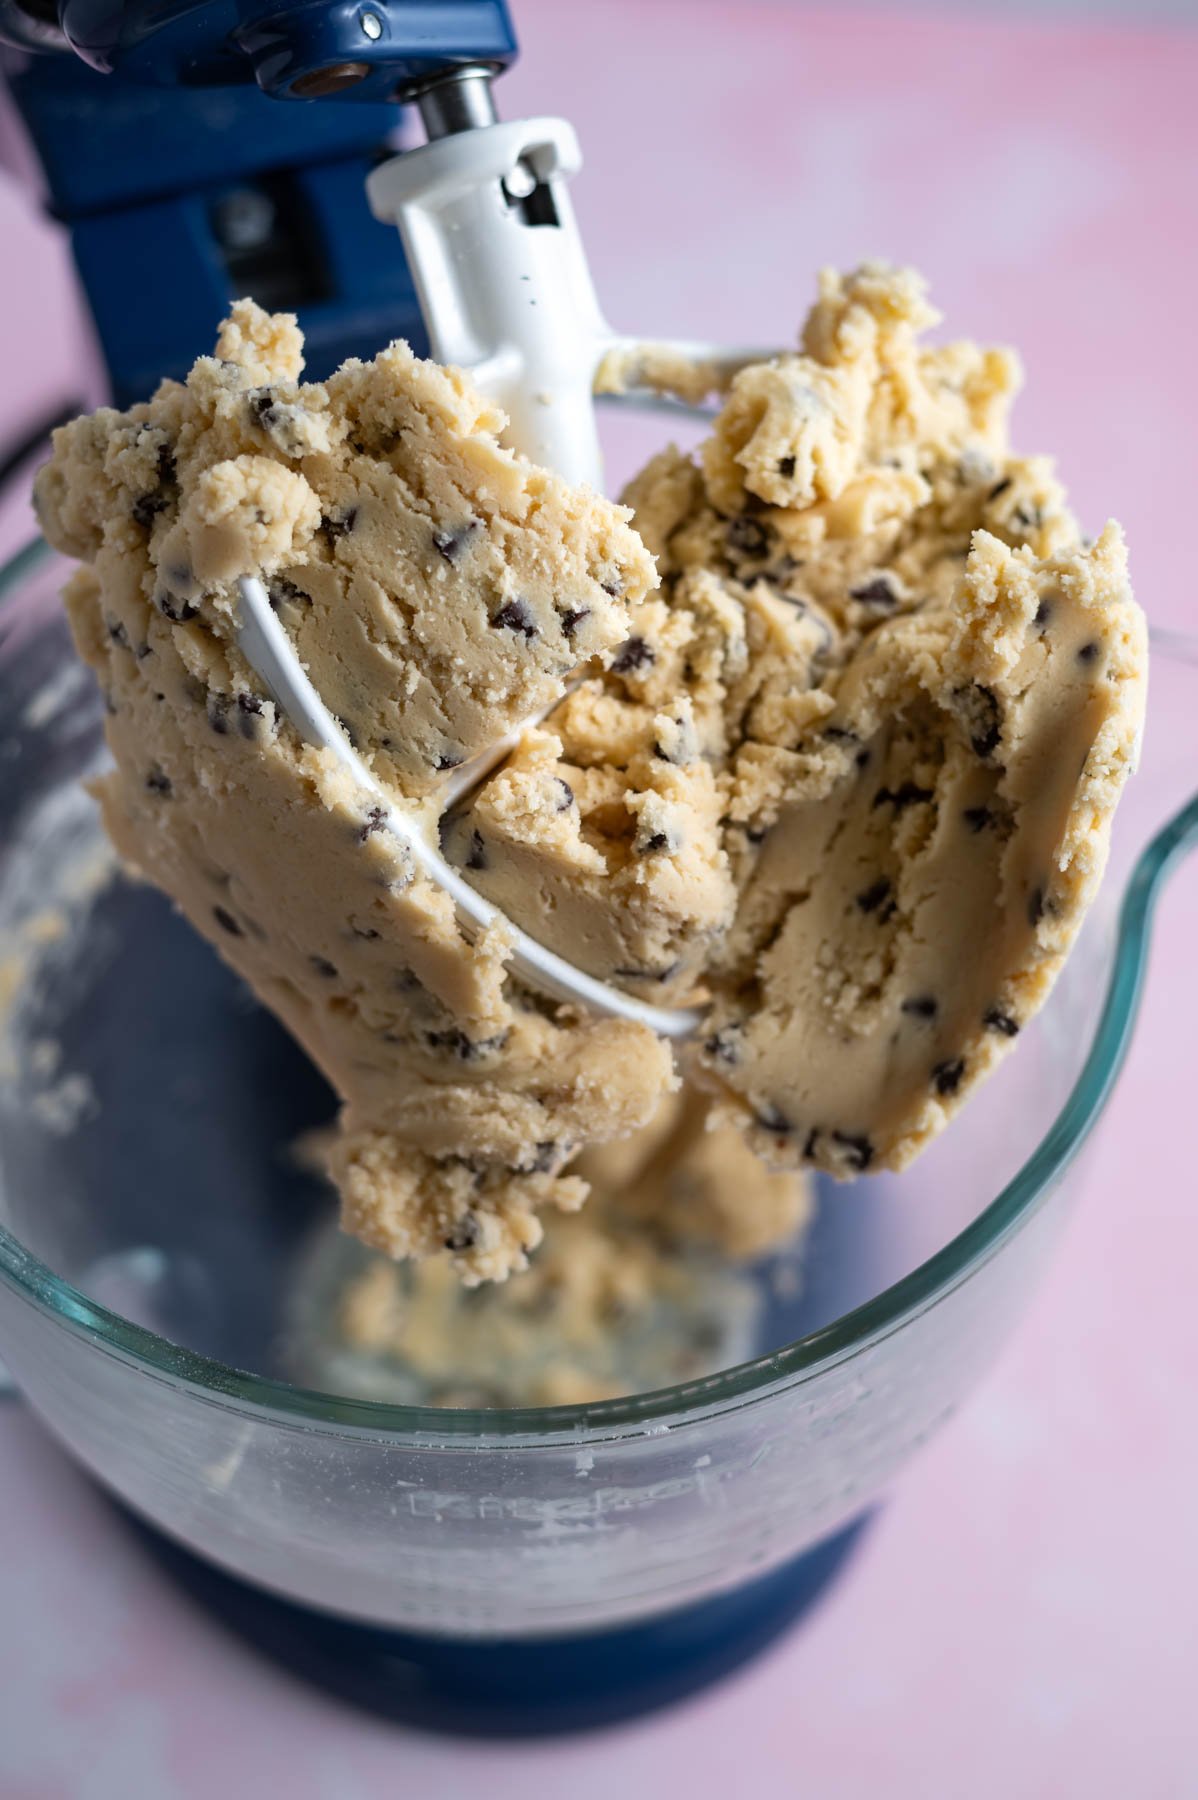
(477,858)
(770,1118)
(565,797)
(544,1155)
(977,818)
(571,619)
(464,1235)
(117,633)
(907,794)
(666,974)
(466,1049)
(812,1141)
(682,755)
(997,1020)
(249,708)
(447,760)
(879,591)
(264,407)
(658,841)
(921,1007)
(768,939)
(323,967)
(786,467)
(1028,518)
(375,820)
(747,537)
(280,590)
(840,734)
(860,1150)
(724,1045)
(218,714)
(1090,652)
(1035,906)
(158,783)
(614,586)
(983,717)
(1043,613)
(172,608)
(515,616)
(946,1076)
(335,525)
(227,922)
(142,651)
(634,653)
(1000,487)
(146,507)
(453,544)
(364,931)
(873,896)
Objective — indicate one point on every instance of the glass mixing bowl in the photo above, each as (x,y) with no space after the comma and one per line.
(154,1231)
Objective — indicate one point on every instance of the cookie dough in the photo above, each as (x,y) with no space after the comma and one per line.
(924,862)
(687,1179)
(634,1292)
(843,711)
(922,690)
(438,588)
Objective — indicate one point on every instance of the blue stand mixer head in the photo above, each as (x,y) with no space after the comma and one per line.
(387,51)
(183,186)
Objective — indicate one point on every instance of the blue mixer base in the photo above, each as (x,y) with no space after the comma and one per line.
(519,1687)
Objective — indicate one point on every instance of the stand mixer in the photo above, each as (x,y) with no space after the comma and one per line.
(498,1570)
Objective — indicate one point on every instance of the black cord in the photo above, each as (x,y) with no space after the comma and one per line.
(14,459)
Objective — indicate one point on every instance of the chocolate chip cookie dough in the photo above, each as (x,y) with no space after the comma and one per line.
(438,589)
(638,1290)
(843,712)
(923,690)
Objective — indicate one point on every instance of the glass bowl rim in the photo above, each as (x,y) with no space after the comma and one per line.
(744,1383)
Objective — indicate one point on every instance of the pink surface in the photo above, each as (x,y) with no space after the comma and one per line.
(1022,1620)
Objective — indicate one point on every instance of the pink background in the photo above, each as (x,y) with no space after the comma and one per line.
(1022,1621)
